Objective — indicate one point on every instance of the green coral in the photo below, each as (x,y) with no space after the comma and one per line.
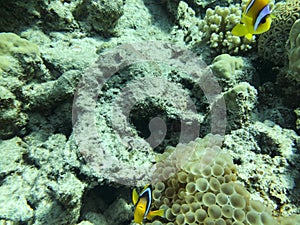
(12,47)
(271,44)
(226,68)
(294,51)
(297,112)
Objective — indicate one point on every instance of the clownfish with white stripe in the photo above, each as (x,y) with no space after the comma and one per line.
(142,204)
(256,19)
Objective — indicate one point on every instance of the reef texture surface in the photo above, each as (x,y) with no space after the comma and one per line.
(100,97)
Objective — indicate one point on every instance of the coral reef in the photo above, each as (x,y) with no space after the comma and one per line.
(225,66)
(241,168)
(211,195)
(240,101)
(19,58)
(271,44)
(20,63)
(214,29)
(297,112)
(217,24)
(153,97)
(12,119)
(27,192)
(267,155)
(89,15)
(228,69)
(232,74)
(99,16)
(294,51)
(47,94)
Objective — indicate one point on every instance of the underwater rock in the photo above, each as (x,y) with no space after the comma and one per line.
(188,23)
(64,66)
(15,184)
(17,14)
(111,121)
(64,51)
(297,112)
(67,191)
(57,15)
(118,211)
(12,151)
(20,63)
(48,15)
(20,58)
(13,199)
(240,101)
(12,119)
(88,223)
(92,218)
(55,187)
(231,70)
(267,158)
(45,178)
(99,16)
(50,93)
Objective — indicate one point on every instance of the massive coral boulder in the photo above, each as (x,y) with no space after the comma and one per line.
(271,44)
(20,63)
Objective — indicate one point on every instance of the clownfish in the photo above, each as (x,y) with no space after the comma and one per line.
(142,205)
(256,19)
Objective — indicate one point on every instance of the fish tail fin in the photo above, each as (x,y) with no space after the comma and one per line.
(152,214)
(239,30)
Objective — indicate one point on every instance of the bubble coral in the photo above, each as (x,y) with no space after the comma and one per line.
(206,197)
(210,197)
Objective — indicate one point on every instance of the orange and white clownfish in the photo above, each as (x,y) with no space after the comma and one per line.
(256,19)
(142,204)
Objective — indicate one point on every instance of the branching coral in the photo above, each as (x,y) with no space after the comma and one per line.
(217,25)
(214,29)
